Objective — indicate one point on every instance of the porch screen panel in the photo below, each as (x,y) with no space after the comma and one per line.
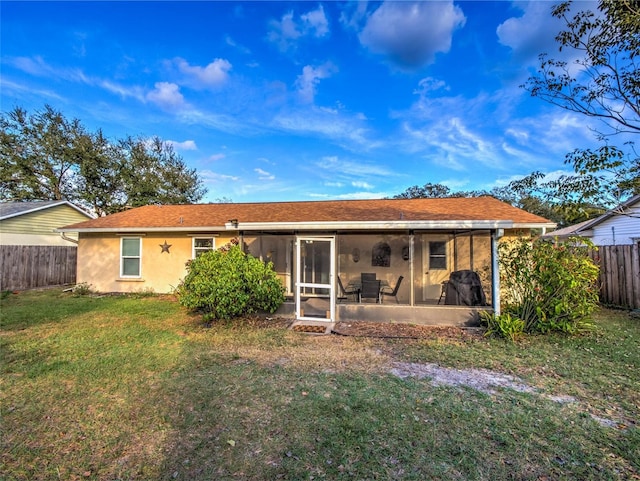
(316,266)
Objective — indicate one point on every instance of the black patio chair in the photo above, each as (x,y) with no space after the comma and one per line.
(370,290)
(367,276)
(345,293)
(387,291)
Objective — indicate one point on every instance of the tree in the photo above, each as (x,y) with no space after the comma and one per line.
(45,156)
(36,155)
(428,190)
(604,84)
(530,193)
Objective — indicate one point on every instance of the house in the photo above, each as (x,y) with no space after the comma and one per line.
(316,248)
(35,223)
(618,226)
(32,253)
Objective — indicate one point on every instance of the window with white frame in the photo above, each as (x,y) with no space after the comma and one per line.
(130,256)
(202,245)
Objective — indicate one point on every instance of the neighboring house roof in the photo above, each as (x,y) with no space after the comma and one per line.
(620,210)
(572,230)
(475,212)
(583,228)
(14,209)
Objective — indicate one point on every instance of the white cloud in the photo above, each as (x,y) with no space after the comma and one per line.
(263,174)
(532,33)
(232,43)
(11,88)
(452,144)
(213,75)
(411,33)
(208,176)
(186,145)
(521,136)
(346,130)
(430,84)
(315,22)
(37,66)
(362,185)
(363,195)
(166,95)
(535,30)
(215,157)
(286,31)
(554,133)
(123,91)
(353,15)
(307,82)
(348,169)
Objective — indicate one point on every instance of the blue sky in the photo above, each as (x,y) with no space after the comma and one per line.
(274,101)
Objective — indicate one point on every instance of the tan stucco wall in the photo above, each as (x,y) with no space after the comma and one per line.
(99,262)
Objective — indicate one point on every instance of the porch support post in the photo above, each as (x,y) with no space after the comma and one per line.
(495,273)
(411,268)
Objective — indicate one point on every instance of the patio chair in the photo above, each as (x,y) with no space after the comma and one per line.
(370,290)
(387,291)
(345,293)
(367,276)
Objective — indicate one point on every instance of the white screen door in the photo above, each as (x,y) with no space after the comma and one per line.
(315,290)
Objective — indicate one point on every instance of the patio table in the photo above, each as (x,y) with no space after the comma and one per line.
(357,285)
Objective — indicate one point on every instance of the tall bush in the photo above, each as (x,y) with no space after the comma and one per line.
(227,283)
(549,286)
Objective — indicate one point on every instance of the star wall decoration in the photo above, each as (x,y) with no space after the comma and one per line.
(165,247)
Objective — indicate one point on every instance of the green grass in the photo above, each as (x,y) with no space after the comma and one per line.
(135,388)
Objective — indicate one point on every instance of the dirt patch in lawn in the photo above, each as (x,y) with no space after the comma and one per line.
(480,379)
(389,330)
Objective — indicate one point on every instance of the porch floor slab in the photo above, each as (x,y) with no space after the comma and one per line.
(423,314)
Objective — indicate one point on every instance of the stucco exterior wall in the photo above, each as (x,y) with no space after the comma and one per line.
(99,262)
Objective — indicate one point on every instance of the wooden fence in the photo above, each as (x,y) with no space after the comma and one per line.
(26,267)
(619,275)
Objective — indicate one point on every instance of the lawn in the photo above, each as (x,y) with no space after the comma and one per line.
(119,388)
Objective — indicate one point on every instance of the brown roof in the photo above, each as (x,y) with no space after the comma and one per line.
(334,211)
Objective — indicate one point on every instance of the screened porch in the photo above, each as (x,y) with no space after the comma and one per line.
(327,276)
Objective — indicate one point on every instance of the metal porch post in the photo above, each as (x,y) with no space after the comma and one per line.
(495,272)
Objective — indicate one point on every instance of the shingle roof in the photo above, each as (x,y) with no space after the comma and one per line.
(568,231)
(393,211)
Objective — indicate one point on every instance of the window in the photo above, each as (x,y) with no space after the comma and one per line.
(202,245)
(130,248)
(437,255)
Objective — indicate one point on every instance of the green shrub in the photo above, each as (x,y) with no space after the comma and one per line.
(503,325)
(550,286)
(228,283)
(83,289)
